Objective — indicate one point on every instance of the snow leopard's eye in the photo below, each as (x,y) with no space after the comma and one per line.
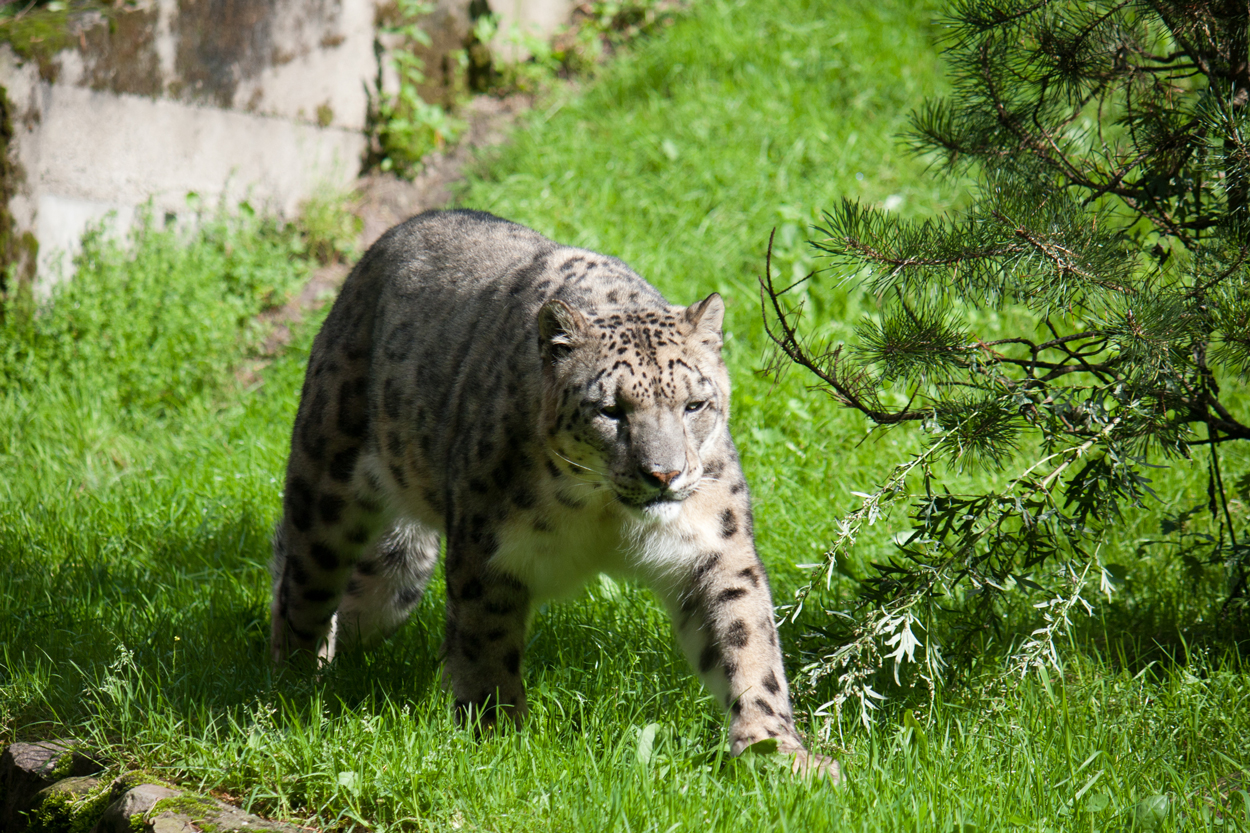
(696,406)
(613,411)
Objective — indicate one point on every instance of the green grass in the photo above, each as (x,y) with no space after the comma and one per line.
(139,481)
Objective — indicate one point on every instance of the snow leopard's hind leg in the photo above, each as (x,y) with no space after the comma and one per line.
(361,605)
(386,585)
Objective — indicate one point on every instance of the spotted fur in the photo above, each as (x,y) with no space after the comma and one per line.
(546,411)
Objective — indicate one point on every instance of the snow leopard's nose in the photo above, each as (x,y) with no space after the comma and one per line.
(659,479)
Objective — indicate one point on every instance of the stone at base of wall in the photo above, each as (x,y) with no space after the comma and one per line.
(50,787)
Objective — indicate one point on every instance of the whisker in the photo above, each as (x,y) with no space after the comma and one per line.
(577,464)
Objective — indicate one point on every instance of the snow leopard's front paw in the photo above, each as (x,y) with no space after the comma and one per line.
(810,765)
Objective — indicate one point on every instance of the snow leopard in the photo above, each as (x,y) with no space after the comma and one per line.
(546,413)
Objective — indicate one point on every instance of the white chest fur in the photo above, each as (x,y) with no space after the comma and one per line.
(558,561)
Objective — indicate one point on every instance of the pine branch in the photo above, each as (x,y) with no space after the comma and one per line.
(853,389)
(1110,146)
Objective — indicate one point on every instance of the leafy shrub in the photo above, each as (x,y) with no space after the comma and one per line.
(404,127)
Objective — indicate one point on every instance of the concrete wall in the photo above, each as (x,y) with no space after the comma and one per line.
(263,100)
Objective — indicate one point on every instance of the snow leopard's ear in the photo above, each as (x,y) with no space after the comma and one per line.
(707,318)
(559,329)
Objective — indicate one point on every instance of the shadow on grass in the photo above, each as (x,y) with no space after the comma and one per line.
(172,626)
(181,617)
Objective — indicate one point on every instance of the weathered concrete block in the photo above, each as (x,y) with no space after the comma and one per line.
(263,100)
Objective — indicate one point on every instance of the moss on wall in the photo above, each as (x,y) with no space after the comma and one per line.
(18,252)
(37,33)
(120,53)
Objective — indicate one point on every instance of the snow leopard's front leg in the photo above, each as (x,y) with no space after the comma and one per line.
(722,612)
(487,615)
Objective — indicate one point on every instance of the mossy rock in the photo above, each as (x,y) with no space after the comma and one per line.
(71,805)
(156,808)
(30,771)
(208,815)
(187,804)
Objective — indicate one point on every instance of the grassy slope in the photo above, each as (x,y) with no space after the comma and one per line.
(134,510)
(687,155)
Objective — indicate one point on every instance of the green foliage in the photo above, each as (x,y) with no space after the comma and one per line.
(403,126)
(39,29)
(101,382)
(328,230)
(1079,322)
(596,31)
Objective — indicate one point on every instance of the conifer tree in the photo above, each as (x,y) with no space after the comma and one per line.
(1107,141)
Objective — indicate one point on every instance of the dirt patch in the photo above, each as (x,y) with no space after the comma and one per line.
(386,199)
